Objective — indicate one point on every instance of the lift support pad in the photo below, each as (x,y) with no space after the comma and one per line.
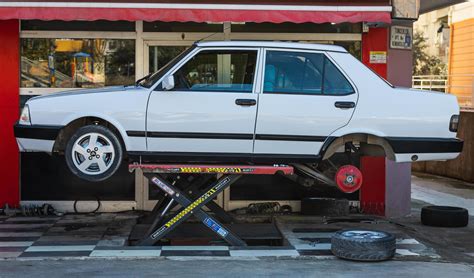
(227,175)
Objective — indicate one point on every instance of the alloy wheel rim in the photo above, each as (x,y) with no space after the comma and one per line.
(93,153)
(361,234)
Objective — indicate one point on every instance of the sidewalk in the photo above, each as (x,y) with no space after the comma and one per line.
(437,190)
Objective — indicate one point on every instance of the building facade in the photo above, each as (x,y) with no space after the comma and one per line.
(448,33)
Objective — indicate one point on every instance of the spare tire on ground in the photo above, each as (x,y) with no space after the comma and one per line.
(444,216)
(363,245)
(324,206)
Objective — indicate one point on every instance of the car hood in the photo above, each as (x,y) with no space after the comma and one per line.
(89,91)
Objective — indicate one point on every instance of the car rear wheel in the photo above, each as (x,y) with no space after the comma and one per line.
(93,153)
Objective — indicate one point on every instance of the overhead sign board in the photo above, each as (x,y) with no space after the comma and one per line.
(401,37)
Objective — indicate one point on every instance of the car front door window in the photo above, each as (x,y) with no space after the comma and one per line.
(223,71)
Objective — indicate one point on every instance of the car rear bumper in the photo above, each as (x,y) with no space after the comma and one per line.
(425,149)
(407,145)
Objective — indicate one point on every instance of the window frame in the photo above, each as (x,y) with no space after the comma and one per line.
(325,56)
(198,50)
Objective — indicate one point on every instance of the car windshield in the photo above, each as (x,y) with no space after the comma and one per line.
(153,78)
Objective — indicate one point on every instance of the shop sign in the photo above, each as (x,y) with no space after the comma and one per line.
(401,37)
(378,57)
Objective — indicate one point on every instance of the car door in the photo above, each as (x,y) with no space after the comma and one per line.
(305,97)
(212,107)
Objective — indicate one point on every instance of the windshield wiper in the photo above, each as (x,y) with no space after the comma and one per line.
(141,79)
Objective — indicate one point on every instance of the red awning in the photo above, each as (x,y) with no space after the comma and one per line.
(193,12)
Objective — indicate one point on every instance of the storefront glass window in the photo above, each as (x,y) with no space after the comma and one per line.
(76,63)
(161,55)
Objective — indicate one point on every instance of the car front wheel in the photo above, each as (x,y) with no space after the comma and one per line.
(93,153)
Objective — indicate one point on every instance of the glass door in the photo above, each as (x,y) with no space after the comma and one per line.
(156,55)
(159,53)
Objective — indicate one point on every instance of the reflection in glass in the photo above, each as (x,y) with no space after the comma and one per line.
(161,55)
(76,63)
(231,71)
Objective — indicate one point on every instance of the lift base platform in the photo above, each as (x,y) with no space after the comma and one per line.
(193,196)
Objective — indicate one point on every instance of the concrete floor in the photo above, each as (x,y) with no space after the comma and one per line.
(455,247)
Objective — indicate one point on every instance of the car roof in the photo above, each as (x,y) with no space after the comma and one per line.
(272,44)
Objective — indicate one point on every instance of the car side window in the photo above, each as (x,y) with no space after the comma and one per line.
(289,72)
(334,82)
(293,72)
(220,71)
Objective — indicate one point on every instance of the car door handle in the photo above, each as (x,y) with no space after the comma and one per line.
(344,104)
(245,102)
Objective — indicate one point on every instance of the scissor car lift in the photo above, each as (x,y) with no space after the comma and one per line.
(192,199)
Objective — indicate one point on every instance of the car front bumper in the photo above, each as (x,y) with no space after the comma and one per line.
(39,138)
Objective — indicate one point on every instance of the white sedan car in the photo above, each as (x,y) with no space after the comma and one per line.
(246,102)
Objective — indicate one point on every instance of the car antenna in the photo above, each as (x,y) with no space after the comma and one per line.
(211,35)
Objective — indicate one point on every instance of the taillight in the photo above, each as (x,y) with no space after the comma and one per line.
(454,123)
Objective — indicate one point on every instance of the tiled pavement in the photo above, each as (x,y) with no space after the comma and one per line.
(105,235)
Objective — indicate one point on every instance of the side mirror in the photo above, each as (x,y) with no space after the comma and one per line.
(168,83)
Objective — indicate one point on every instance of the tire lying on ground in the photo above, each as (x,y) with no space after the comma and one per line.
(444,216)
(363,245)
(324,206)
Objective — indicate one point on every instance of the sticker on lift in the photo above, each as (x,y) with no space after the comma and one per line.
(163,186)
(215,227)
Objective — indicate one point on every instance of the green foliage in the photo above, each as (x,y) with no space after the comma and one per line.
(423,63)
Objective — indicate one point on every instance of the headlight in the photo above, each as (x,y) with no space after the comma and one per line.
(25,116)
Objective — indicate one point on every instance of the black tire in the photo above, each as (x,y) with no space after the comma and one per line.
(104,133)
(324,206)
(364,249)
(444,216)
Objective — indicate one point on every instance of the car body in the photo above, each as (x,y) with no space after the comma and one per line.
(269,102)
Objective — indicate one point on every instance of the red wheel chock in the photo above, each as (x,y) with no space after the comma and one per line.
(349,179)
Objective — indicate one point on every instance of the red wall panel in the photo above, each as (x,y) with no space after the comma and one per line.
(9,106)
(372,192)
(375,40)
